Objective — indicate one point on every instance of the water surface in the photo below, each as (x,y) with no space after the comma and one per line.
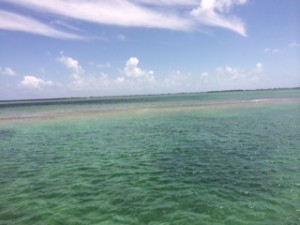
(217,158)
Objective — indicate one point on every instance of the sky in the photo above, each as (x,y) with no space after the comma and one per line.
(81,48)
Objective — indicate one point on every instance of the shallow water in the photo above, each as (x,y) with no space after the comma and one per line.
(166,161)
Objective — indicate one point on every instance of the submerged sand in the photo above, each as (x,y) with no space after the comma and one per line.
(17,114)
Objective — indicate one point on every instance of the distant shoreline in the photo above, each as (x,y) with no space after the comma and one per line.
(105,99)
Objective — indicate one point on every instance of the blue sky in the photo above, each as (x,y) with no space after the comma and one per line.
(63,48)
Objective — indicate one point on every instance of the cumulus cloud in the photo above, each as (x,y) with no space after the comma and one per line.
(181,15)
(14,22)
(259,68)
(229,73)
(130,78)
(204,76)
(79,80)
(120,79)
(7,71)
(33,82)
(215,13)
(82,80)
(71,64)
(132,70)
(177,80)
(230,77)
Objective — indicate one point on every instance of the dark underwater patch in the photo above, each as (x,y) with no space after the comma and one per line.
(7,133)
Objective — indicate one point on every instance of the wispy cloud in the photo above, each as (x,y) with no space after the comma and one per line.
(271,50)
(181,15)
(65,25)
(114,12)
(16,22)
(294,45)
(215,13)
(7,71)
(170,2)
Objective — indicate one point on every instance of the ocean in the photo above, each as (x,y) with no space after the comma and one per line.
(202,158)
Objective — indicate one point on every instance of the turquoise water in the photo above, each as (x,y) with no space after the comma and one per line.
(218,158)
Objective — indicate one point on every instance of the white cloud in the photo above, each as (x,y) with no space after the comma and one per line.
(131,78)
(294,45)
(134,80)
(95,83)
(271,50)
(213,13)
(120,79)
(204,76)
(259,68)
(15,22)
(83,81)
(229,77)
(132,70)
(32,82)
(176,81)
(164,14)
(113,12)
(7,71)
(170,2)
(65,25)
(71,64)
(231,74)
(256,75)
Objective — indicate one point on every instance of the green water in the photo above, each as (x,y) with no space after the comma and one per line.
(188,163)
